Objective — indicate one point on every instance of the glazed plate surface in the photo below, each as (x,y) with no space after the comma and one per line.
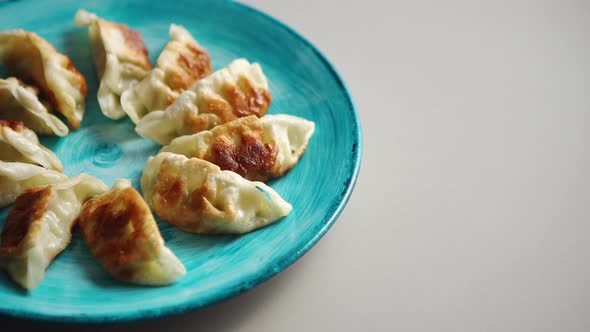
(302,83)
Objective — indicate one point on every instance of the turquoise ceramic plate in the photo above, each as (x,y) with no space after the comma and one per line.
(302,83)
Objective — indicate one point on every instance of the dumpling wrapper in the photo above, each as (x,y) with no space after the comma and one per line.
(33,59)
(120,57)
(19,143)
(39,226)
(16,177)
(197,196)
(255,148)
(239,90)
(20,102)
(122,234)
(182,62)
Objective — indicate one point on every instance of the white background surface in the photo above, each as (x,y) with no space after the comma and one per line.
(472,209)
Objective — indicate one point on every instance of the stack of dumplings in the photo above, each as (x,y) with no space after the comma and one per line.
(35,61)
(182,62)
(208,178)
(46,202)
(239,90)
(39,226)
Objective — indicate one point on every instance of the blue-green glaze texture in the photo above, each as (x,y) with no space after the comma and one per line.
(302,83)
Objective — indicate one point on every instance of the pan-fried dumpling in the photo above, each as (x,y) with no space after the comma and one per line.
(197,196)
(182,62)
(237,91)
(19,143)
(255,148)
(16,177)
(122,234)
(20,103)
(39,226)
(120,57)
(33,59)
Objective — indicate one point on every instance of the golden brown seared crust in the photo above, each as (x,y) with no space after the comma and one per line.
(174,203)
(238,146)
(238,101)
(17,126)
(246,100)
(250,158)
(219,107)
(115,229)
(24,218)
(133,41)
(194,63)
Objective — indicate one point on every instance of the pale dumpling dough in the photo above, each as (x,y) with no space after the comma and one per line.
(197,196)
(20,102)
(255,148)
(16,177)
(20,144)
